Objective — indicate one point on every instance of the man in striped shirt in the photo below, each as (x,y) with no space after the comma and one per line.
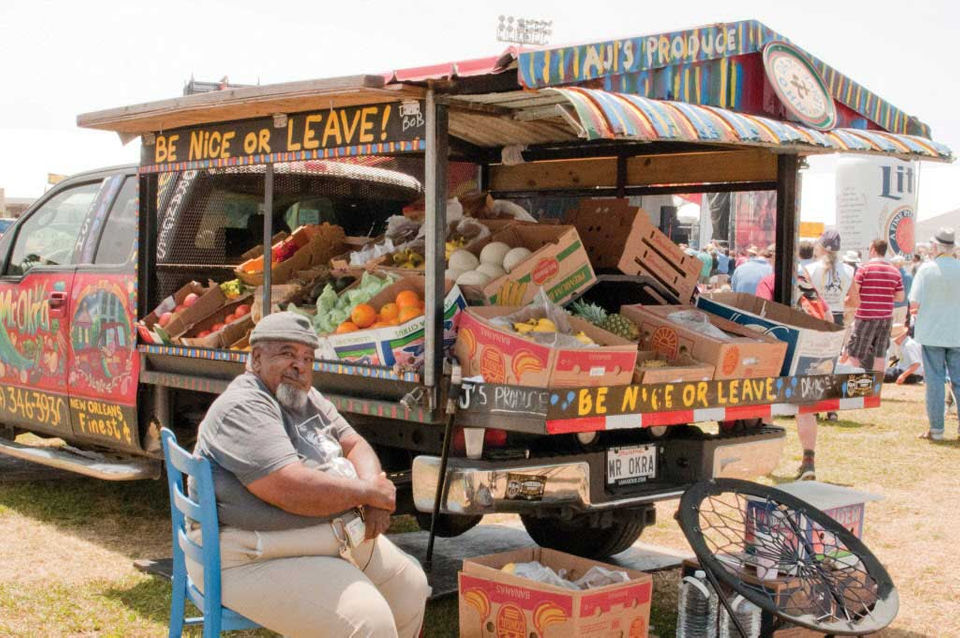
(878,285)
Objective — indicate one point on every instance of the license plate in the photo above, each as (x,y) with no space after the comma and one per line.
(629,465)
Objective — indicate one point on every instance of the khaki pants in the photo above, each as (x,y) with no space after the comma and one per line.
(294,582)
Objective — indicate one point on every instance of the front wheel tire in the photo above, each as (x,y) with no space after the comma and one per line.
(589,535)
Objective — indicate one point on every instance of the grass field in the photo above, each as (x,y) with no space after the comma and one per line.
(66,565)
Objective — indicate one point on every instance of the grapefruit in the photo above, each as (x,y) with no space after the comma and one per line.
(363,315)
(346,326)
(408,298)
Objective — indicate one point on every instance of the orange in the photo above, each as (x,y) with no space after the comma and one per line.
(347,326)
(409,312)
(381,324)
(408,298)
(363,315)
(389,311)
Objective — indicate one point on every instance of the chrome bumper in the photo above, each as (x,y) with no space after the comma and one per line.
(476,487)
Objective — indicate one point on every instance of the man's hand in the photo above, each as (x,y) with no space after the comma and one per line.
(381,493)
(376,520)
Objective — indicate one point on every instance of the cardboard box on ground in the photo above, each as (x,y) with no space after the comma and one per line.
(401,345)
(496,603)
(813,345)
(622,237)
(559,264)
(746,353)
(503,356)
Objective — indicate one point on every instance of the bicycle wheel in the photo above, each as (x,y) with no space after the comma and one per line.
(787,557)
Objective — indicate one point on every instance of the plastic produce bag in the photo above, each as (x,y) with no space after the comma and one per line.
(333,309)
(698,322)
(362,256)
(599,576)
(542,574)
(541,307)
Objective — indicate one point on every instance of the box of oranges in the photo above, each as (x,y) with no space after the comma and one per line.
(388,330)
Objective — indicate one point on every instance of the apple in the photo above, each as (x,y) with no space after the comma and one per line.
(164,319)
(202,334)
(180,308)
(217,326)
(230,318)
(190,299)
(242,309)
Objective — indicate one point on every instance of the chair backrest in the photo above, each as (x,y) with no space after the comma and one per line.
(202,510)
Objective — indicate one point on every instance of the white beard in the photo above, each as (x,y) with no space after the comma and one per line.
(291,397)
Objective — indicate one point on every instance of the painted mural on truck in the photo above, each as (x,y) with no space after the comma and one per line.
(32,345)
(102,338)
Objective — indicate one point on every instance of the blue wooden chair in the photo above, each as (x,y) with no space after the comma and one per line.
(203,510)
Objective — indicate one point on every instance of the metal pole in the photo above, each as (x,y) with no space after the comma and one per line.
(435,196)
(267,237)
(453,396)
(786,233)
(147,255)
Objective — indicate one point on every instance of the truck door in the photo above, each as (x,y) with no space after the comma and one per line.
(38,257)
(104,364)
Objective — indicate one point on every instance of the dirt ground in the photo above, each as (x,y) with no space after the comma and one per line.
(66,563)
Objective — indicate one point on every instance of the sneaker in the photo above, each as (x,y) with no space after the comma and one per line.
(806,473)
(930,435)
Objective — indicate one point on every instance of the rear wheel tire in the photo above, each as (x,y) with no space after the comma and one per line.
(448,525)
(589,535)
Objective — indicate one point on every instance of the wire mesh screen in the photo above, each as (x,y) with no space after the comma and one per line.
(212,217)
(790,559)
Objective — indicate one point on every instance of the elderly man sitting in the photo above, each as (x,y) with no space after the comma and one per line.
(303,502)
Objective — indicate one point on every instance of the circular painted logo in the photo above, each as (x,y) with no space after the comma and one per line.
(799,86)
(900,231)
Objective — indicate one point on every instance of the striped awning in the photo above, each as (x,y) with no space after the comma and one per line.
(606,115)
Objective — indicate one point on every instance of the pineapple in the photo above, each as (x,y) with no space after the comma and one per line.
(611,322)
(621,326)
(588,311)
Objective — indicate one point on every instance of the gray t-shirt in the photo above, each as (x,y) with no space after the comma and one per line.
(247,435)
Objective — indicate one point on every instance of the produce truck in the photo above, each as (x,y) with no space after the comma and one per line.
(126,294)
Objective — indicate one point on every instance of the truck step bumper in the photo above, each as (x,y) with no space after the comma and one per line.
(578,482)
(104,467)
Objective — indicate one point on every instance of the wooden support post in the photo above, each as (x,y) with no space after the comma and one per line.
(786,234)
(435,203)
(267,238)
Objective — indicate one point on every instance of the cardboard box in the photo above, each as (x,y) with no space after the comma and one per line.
(226,336)
(495,603)
(559,264)
(211,299)
(745,354)
(503,356)
(813,345)
(316,245)
(617,235)
(401,345)
(352,244)
(683,368)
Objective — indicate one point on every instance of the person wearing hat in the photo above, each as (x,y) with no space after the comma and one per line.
(831,278)
(303,502)
(908,366)
(935,300)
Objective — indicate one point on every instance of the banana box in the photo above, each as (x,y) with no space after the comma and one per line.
(559,264)
(494,602)
(500,355)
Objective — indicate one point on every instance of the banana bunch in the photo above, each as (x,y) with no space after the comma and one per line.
(232,289)
(535,325)
(408,258)
(652,363)
(584,339)
(453,244)
(511,293)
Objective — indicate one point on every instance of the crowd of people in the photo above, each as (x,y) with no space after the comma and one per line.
(898,313)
